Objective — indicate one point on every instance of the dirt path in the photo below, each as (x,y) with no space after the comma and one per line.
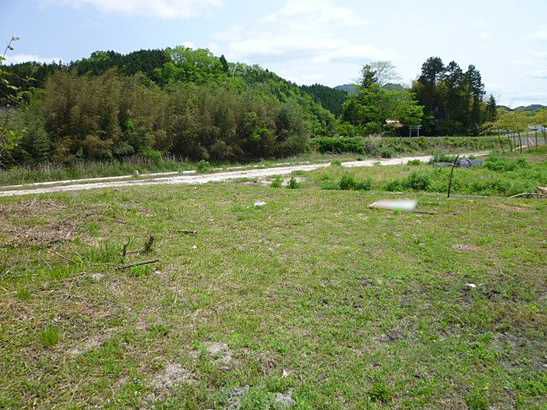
(198,179)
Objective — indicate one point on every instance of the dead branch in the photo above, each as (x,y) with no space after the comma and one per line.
(133,265)
(188,232)
(124,250)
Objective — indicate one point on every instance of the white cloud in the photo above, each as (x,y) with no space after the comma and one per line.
(304,40)
(540,34)
(166,9)
(23,58)
(318,11)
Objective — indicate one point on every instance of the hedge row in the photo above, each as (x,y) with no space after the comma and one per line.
(391,146)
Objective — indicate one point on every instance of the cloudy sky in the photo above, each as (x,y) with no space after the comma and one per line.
(306,41)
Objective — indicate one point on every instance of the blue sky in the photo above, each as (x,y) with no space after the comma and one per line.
(306,41)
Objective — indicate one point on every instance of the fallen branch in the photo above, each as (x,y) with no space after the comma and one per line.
(524,195)
(188,232)
(133,265)
(425,213)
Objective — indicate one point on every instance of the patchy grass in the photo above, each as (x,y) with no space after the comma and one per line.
(502,175)
(313,298)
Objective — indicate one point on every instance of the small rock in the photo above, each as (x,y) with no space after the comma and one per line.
(234,402)
(260,204)
(470,286)
(465,248)
(97,277)
(217,349)
(221,353)
(171,375)
(284,400)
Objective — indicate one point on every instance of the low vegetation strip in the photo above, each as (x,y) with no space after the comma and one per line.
(389,147)
(191,179)
(312,299)
(501,175)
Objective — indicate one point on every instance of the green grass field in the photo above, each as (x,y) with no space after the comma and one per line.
(313,300)
(502,175)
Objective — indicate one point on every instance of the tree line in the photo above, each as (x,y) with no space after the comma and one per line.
(190,105)
(193,105)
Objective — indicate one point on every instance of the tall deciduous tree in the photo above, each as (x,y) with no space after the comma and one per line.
(375,103)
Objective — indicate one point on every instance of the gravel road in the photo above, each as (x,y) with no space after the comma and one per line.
(195,179)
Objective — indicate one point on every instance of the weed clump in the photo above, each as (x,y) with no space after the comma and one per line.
(349,183)
(277,182)
(380,393)
(203,166)
(50,336)
(506,165)
(293,183)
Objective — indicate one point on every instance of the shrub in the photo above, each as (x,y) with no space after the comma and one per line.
(419,181)
(505,165)
(277,182)
(415,163)
(380,393)
(203,166)
(152,155)
(293,183)
(394,186)
(386,152)
(348,183)
(339,145)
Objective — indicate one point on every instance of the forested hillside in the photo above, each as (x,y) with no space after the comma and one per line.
(330,98)
(190,104)
(182,102)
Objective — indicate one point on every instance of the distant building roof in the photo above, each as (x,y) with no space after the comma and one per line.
(394,123)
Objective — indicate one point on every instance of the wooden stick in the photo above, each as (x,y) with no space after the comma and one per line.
(133,265)
(452,175)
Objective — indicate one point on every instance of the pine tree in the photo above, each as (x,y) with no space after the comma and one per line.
(491,109)
(224,62)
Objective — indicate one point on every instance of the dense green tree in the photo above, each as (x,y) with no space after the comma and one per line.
(330,98)
(453,100)
(491,109)
(374,103)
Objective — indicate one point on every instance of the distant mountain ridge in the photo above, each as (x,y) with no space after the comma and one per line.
(351,89)
(531,107)
(527,108)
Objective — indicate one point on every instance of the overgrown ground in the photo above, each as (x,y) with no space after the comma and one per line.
(503,174)
(375,148)
(313,299)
